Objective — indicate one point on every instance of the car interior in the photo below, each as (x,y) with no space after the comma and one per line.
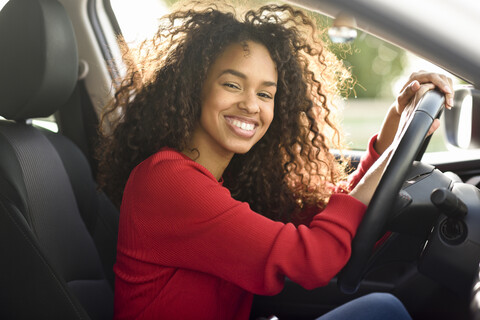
(58,231)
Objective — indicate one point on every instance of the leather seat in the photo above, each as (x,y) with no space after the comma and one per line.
(57,232)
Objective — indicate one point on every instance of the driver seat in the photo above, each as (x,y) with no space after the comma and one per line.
(57,232)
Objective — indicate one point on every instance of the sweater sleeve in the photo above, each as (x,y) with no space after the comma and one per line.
(181,217)
(365,163)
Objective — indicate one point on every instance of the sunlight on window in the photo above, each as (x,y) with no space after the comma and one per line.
(414,63)
(46,123)
(2,3)
(139,19)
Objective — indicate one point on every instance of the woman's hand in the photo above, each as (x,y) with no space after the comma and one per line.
(396,122)
(418,83)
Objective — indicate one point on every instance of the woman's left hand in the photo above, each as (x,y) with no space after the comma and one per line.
(418,83)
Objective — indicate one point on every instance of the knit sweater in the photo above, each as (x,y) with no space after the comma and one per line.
(188,250)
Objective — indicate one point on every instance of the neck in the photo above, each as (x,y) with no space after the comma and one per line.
(213,162)
(204,150)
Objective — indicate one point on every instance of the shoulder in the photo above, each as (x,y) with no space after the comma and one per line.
(169,165)
(171,183)
(170,174)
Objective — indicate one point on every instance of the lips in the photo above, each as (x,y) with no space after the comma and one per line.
(242,127)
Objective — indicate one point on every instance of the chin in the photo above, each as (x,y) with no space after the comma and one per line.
(241,149)
(241,146)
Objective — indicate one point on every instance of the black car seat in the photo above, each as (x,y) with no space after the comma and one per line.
(57,232)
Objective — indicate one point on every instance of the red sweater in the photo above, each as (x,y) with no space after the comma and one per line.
(188,250)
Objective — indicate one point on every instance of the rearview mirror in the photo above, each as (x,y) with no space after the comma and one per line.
(462,122)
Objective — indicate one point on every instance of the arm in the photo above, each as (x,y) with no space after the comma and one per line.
(394,124)
(370,157)
(186,219)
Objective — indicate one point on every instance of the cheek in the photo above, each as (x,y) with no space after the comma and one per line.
(268,116)
(214,103)
(209,109)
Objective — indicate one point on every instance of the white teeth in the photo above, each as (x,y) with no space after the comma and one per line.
(243,125)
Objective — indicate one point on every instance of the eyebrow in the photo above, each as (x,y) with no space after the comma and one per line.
(243,76)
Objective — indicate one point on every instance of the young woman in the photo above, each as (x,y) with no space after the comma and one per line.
(224,138)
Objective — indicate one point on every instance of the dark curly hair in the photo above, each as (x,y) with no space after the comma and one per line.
(158,104)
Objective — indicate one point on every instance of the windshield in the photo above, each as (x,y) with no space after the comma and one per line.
(379,70)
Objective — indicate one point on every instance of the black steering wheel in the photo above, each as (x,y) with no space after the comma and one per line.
(379,210)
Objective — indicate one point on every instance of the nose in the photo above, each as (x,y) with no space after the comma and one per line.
(249,103)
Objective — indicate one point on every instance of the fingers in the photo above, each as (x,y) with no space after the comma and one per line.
(408,92)
(422,90)
(406,95)
(410,97)
(435,125)
(449,97)
(442,82)
(414,90)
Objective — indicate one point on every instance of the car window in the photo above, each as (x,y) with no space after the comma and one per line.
(379,70)
(138,21)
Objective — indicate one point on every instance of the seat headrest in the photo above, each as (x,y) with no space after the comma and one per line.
(38,58)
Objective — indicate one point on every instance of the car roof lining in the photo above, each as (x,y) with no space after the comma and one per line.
(396,29)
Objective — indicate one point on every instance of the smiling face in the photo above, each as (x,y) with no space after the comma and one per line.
(237,101)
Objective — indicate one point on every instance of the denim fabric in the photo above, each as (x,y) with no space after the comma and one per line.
(374,306)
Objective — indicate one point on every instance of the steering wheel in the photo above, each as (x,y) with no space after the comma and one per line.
(380,207)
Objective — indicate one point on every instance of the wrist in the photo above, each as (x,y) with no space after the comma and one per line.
(393,112)
(388,130)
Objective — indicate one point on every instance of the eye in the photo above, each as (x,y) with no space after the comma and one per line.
(265,95)
(231,85)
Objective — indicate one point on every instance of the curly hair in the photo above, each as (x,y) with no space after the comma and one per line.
(158,104)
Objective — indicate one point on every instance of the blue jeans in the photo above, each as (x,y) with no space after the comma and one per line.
(374,306)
